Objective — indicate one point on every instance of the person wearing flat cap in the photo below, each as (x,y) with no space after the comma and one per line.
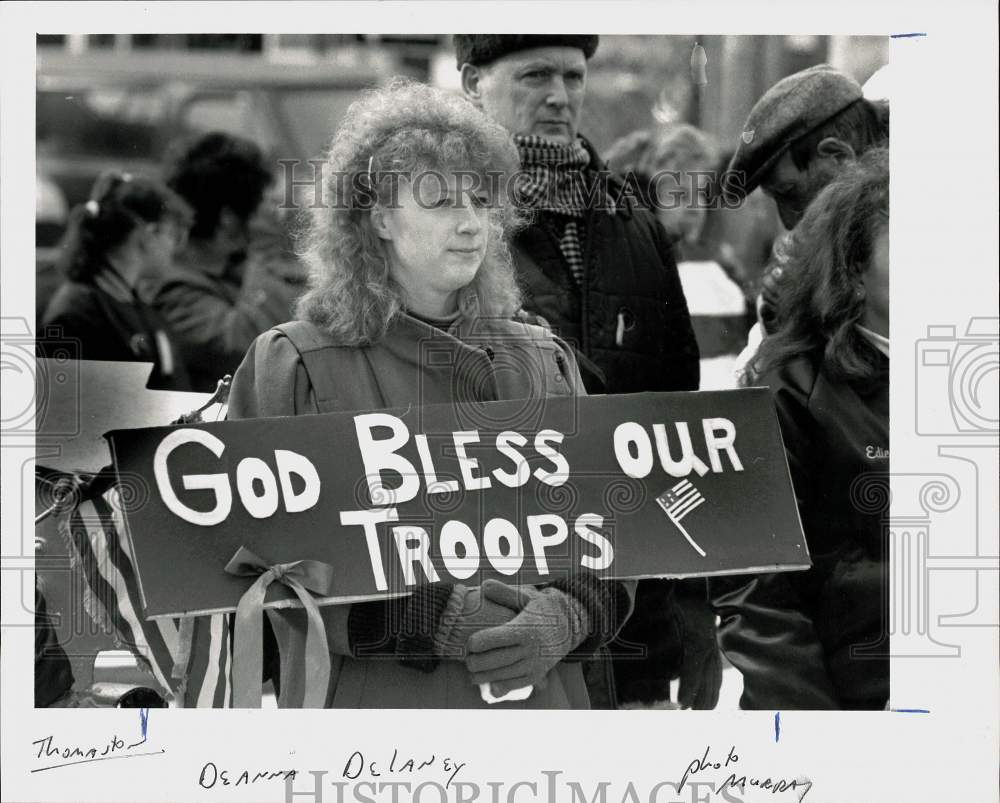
(798,138)
(601,272)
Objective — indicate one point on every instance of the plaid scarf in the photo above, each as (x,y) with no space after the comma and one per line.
(553,179)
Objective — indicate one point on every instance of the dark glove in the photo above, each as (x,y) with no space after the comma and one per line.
(701,665)
(522,652)
(468,611)
(403,627)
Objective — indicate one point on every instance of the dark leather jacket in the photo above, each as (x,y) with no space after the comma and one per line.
(792,634)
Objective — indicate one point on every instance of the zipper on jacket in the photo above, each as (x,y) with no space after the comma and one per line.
(584,281)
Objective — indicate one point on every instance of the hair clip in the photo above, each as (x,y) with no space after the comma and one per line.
(92,207)
(371,181)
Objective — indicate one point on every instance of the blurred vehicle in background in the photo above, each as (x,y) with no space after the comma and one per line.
(100,110)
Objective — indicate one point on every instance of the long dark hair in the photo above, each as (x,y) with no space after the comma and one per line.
(118,204)
(820,296)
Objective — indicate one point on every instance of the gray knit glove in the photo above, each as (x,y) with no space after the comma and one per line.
(521,653)
(466,612)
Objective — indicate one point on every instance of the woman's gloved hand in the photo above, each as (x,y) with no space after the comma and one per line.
(701,666)
(468,611)
(521,653)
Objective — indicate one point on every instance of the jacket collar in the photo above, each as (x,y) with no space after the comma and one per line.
(110,281)
(624,204)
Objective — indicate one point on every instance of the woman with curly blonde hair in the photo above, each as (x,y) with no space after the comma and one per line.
(408,260)
(407,137)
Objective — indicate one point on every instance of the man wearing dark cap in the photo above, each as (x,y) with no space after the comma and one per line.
(800,134)
(798,137)
(593,265)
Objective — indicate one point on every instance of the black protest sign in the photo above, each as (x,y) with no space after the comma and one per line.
(643,485)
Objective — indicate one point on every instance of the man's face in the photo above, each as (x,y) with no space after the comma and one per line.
(538,91)
(792,190)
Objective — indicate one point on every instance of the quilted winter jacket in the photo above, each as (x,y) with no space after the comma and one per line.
(628,317)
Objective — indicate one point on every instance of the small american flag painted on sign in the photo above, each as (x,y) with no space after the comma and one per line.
(678,502)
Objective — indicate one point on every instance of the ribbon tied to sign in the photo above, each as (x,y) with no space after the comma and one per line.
(302,577)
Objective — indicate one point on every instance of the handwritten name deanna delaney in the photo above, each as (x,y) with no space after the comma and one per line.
(740,780)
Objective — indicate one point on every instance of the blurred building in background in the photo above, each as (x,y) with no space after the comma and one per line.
(634,74)
(118,100)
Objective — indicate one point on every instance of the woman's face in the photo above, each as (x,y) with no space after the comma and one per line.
(436,239)
(680,207)
(162,241)
(876,280)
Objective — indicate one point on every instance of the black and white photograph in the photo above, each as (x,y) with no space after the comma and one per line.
(442,374)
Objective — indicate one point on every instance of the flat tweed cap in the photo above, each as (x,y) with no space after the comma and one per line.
(483,48)
(789,110)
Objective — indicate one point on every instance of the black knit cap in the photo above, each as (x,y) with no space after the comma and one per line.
(483,48)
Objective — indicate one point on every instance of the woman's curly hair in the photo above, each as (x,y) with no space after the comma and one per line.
(821,296)
(648,154)
(401,129)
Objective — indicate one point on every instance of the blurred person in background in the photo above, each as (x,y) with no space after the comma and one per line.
(672,170)
(130,228)
(792,634)
(221,291)
(603,275)
(741,233)
(51,217)
(395,266)
(53,673)
(798,137)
